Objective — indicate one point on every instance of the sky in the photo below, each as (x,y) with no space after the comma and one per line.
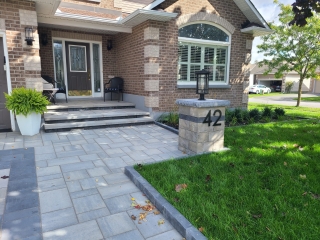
(270,12)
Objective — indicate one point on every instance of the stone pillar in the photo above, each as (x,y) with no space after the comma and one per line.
(201,125)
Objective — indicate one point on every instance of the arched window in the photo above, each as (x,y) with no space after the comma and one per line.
(203,46)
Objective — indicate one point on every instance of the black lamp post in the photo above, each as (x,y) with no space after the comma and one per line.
(29,35)
(202,83)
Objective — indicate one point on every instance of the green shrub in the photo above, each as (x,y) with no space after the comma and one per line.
(267,112)
(255,114)
(171,118)
(279,112)
(288,86)
(25,101)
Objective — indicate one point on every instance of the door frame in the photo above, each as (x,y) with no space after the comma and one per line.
(3,35)
(64,40)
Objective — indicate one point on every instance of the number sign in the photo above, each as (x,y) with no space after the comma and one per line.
(216,113)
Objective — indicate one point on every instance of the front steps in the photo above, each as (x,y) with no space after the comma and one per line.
(68,117)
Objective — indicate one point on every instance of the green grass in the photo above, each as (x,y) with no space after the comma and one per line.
(263,188)
(251,95)
(309,99)
(291,110)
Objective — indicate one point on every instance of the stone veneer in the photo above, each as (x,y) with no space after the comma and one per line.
(195,136)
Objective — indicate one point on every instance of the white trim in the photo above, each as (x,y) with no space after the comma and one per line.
(8,76)
(257,31)
(138,12)
(84,17)
(87,24)
(85,57)
(257,13)
(153,4)
(64,40)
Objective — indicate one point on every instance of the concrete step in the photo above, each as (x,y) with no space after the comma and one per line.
(92,115)
(89,105)
(67,126)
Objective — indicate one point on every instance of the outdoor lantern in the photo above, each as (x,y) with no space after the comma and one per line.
(109,45)
(202,83)
(44,39)
(29,35)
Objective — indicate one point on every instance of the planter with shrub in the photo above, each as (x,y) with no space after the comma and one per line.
(27,105)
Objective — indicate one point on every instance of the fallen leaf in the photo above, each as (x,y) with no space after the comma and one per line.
(161,221)
(143,216)
(285,163)
(147,201)
(303,176)
(316,196)
(201,229)
(179,187)
(300,148)
(97,180)
(305,193)
(257,216)
(176,199)
(208,178)
(133,217)
(148,208)
(295,145)
(268,229)
(132,199)
(156,212)
(5,177)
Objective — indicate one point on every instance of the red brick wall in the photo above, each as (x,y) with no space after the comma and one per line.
(130,59)
(9,11)
(46,53)
(169,52)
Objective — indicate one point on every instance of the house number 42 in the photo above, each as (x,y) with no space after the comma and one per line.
(208,118)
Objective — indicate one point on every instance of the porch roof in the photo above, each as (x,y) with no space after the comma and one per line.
(70,16)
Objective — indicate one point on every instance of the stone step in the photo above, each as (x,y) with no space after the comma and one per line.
(67,126)
(93,105)
(92,115)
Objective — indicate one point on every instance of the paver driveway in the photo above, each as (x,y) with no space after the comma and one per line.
(83,191)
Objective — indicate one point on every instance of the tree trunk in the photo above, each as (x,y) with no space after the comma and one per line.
(299,91)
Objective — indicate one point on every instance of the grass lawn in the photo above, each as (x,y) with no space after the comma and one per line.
(265,187)
(291,110)
(310,99)
(251,95)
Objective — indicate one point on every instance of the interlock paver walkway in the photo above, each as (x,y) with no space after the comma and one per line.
(83,191)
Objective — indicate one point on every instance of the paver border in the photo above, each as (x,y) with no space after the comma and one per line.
(171,129)
(177,220)
(28,196)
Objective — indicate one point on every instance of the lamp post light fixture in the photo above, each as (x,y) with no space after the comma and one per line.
(202,83)
(29,35)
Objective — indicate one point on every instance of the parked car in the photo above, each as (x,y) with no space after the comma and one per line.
(258,88)
(277,88)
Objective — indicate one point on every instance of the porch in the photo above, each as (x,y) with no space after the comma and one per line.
(92,113)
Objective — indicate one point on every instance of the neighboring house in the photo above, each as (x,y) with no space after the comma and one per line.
(257,76)
(155,46)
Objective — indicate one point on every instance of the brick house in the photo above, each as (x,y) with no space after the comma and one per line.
(155,46)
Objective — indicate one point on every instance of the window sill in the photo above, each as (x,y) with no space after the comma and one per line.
(194,86)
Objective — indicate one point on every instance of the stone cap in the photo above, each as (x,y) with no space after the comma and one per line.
(203,104)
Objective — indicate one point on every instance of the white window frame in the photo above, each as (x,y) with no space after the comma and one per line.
(207,43)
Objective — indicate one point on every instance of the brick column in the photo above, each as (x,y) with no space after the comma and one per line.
(201,125)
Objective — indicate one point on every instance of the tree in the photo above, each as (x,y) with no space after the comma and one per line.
(303,9)
(292,48)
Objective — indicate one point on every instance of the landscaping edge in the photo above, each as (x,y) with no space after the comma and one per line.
(171,129)
(177,220)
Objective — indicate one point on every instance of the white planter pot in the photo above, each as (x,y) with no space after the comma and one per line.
(29,125)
